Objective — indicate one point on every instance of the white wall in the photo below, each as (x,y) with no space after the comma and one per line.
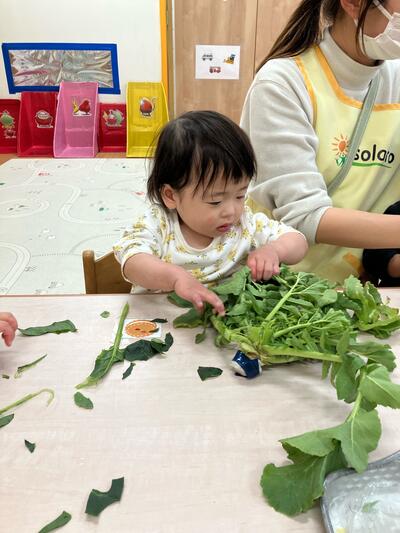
(134,25)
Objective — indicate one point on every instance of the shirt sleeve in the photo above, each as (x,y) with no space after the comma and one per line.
(265,230)
(278,116)
(144,236)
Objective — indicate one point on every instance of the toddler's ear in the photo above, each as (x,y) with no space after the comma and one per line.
(168,196)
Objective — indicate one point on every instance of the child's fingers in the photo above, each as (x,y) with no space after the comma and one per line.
(10,318)
(213,299)
(7,332)
(252,264)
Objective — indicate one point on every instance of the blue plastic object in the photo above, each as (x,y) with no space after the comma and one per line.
(246,367)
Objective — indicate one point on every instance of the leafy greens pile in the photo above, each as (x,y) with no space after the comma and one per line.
(298,316)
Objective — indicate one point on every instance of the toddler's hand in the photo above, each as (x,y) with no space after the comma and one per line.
(190,289)
(8,326)
(263,262)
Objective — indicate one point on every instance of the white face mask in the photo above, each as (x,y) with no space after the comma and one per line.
(386,45)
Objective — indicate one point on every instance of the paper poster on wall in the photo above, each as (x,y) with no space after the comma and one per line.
(217,62)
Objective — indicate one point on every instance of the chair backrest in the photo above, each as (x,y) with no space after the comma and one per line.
(103,275)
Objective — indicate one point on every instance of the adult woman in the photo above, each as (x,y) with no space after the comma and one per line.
(300,114)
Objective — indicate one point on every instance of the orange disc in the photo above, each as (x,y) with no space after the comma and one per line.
(140,328)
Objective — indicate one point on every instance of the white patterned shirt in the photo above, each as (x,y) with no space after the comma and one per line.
(158,233)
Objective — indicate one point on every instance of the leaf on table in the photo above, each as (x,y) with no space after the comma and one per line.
(30,445)
(60,521)
(23,368)
(104,361)
(128,371)
(64,326)
(143,350)
(4,420)
(200,337)
(83,401)
(107,358)
(377,387)
(5,376)
(346,378)
(105,314)
(159,320)
(293,489)
(98,500)
(207,372)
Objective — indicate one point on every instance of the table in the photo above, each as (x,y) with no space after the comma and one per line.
(191,452)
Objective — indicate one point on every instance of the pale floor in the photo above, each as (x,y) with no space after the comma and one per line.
(53,209)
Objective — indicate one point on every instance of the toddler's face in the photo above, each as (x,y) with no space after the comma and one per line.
(206,214)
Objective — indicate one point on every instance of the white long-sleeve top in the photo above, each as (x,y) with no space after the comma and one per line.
(278,117)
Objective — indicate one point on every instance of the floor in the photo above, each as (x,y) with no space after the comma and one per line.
(53,209)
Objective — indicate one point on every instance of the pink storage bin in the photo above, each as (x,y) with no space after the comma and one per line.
(9,118)
(77,120)
(36,124)
(112,128)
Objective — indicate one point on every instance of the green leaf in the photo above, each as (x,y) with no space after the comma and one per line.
(369,506)
(235,284)
(159,320)
(4,420)
(105,314)
(178,301)
(359,436)
(346,378)
(83,401)
(207,372)
(191,319)
(200,337)
(141,350)
(30,445)
(5,376)
(377,387)
(128,371)
(293,489)
(107,358)
(98,500)
(64,326)
(329,297)
(60,521)
(23,368)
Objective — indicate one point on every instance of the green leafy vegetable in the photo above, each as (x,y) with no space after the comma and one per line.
(105,314)
(28,397)
(64,326)
(160,320)
(4,420)
(60,521)
(298,316)
(30,445)
(98,501)
(143,350)
(23,368)
(107,358)
(5,376)
(83,401)
(128,371)
(207,372)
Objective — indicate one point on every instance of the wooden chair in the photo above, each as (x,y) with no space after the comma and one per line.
(103,275)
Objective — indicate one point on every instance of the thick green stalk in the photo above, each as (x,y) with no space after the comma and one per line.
(358,400)
(292,352)
(282,300)
(118,337)
(27,398)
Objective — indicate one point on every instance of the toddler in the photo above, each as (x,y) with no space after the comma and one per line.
(198,231)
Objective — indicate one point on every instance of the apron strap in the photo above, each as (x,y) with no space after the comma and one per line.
(357,134)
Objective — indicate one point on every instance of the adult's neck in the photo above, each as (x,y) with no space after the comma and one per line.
(343,32)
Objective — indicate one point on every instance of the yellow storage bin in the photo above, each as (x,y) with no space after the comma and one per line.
(147,112)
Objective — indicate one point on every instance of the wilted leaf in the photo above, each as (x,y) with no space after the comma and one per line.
(207,372)
(64,326)
(98,500)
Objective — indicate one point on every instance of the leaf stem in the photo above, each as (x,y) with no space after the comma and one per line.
(27,398)
(118,337)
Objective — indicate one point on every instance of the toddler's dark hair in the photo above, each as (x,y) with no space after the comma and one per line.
(200,146)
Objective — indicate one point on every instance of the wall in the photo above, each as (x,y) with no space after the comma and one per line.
(134,25)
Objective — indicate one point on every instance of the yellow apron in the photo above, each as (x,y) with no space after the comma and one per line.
(373,182)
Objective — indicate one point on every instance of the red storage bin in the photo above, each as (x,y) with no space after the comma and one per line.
(9,118)
(112,130)
(36,123)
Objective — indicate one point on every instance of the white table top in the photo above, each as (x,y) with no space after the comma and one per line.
(192,452)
